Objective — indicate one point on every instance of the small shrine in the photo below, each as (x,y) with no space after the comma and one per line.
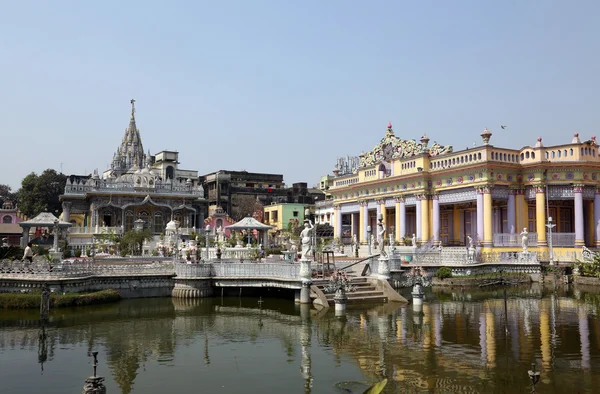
(219,220)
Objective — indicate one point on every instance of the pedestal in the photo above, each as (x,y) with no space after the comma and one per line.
(417,295)
(340,299)
(94,385)
(305,293)
(305,270)
(383,270)
(56,256)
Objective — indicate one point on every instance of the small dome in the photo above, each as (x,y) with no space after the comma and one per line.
(172,226)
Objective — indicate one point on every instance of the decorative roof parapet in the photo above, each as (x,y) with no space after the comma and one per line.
(391,147)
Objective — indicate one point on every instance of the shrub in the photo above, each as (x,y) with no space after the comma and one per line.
(273,251)
(67,254)
(443,273)
(78,253)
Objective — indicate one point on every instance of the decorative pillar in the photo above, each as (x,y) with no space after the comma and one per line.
(540,216)
(337,213)
(66,211)
(511,212)
(364,221)
(597,217)
(435,198)
(353,225)
(401,218)
(418,216)
(425,233)
(487,217)
(579,233)
(522,214)
(479,215)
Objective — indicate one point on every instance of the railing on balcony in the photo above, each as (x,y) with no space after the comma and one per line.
(515,240)
(96,230)
(324,204)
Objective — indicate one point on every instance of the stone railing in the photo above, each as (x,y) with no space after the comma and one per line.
(509,257)
(228,253)
(563,239)
(9,269)
(513,240)
(112,187)
(238,270)
(96,230)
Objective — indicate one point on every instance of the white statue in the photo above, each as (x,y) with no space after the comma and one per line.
(469,242)
(414,241)
(525,240)
(305,235)
(512,228)
(380,238)
(220,234)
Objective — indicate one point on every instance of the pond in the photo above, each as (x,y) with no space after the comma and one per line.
(461,341)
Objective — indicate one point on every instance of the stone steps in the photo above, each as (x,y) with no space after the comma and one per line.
(364,292)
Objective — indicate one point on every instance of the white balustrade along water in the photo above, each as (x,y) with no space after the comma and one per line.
(12,269)
(229,253)
(263,270)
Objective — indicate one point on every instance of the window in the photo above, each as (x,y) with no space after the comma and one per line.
(158,222)
(7,219)
(531,219)
(170,172)
(128,221)
(295,214)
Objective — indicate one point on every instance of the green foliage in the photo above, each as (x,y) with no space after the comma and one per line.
(274,251)
(67,254)
(11,253)
(40,250)
(32,300)
(591,269)
(443,273)
(7,195)
(77,253)
(133,240)
(39,193)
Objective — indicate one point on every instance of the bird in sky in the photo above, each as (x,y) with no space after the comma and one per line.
(502,127)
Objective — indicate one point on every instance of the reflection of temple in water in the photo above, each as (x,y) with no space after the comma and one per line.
(450,346)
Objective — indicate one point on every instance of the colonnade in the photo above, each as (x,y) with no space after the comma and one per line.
(427,212)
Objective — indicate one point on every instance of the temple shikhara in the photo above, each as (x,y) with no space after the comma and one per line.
(138,188)
(491,194)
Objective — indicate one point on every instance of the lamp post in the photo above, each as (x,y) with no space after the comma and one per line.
(369,238)
(550,226)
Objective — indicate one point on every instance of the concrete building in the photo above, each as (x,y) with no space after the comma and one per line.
(486,192)
(281,215)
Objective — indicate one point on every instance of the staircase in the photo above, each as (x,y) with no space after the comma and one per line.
(364,292)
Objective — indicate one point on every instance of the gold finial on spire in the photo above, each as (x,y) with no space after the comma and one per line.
(132,106)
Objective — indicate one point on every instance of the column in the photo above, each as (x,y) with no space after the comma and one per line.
(487,217)
(354,225)
(540,216)
(337,228)
(579,233)
(511,212)
(401,218)
(418,216)
(383,211)
(66,211)
(479,215)
(425,233)
(436,218)
(522,216)
(365,221)
(597,217)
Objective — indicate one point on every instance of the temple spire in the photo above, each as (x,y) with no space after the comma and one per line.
(132,108)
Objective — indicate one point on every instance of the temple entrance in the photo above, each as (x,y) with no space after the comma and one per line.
(445,228)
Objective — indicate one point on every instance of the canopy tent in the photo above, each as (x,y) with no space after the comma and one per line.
(249,223)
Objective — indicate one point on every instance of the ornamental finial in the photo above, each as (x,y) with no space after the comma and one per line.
(389,125)
(132,107)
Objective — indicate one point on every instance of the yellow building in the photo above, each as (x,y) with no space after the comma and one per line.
(492,195)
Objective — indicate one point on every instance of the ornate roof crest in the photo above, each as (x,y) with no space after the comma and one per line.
(391,147)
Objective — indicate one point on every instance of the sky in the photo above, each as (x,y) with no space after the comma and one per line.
(287,87)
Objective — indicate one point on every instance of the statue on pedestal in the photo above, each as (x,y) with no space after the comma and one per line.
(525,240)
(381,238)
(414,241)
(305,235)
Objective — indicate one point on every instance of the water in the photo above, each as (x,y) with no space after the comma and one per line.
(460,343)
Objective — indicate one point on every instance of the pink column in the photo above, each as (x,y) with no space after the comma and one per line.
(579,233)
(479,215)
(436,219)
(597,216)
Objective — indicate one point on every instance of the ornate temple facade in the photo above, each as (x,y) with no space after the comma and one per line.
(141,188)
(488,193)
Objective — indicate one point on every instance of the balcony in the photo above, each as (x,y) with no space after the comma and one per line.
(514,240)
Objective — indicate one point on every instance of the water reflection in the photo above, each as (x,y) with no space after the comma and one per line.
(453,342)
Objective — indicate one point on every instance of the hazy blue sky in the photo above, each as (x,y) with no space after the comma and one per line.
(288,86)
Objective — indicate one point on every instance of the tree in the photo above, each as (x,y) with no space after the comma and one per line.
(7,195)
(40,193)
(133,241)
(243,205)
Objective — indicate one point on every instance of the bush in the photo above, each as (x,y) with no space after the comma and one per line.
(443,273)
(32,300)
(67,254)
(78,253)
(273,251)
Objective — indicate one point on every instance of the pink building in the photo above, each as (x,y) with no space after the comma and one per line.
(10,231)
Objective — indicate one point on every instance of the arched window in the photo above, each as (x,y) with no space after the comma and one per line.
(527,154)
(158,222)
(559,153)
(571,152)
(128,221)
(7,219)
(479,156)
(522,156)
(547,155)
(565,153)
(533,155)
(170,172)
(553,154)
